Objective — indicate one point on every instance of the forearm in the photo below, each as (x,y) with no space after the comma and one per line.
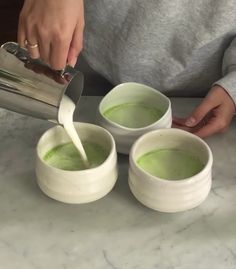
(228,80)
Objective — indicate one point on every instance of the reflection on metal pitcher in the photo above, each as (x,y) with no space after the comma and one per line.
(30,87)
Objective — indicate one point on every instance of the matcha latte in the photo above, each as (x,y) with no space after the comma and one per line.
(67,157)
(133,115)
(171,164)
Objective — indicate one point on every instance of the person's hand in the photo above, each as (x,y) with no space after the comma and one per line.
(52,30)
(213,115)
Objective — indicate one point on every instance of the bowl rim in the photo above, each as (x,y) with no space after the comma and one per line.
(111,153)
(153,178)
(117,125)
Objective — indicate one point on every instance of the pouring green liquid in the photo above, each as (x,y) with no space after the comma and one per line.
(133,115)
(67,157)
(171,164)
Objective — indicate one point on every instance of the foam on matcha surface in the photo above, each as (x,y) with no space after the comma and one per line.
(67,157)
(170,164)
(133,115)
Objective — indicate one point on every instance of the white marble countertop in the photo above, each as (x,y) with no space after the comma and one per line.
(116,232)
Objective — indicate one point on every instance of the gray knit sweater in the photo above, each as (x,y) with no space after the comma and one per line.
(180,47)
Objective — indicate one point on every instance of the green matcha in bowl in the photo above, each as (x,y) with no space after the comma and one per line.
(132,109)
(170,170)
(66,156)
(63,175)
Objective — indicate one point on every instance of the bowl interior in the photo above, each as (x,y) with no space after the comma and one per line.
(171,139)
(87,132)
(134,93)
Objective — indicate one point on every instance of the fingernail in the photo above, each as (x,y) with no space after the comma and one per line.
(72,63)
(190,122)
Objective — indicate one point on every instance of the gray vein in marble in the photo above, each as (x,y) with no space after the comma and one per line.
(186,226)
(214,190)
(232,252)
(105,255)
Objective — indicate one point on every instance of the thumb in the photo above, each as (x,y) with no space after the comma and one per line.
(200,112)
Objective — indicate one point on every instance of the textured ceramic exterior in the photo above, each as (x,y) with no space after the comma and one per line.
(170,195)
(76,186)
(133,92)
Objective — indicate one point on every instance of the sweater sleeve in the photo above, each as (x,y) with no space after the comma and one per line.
(228,81)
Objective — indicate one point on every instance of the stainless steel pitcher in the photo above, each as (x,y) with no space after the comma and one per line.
(32,88)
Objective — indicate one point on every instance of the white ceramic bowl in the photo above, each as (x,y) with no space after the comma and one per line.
(131,92)
(170,195)
(76,186)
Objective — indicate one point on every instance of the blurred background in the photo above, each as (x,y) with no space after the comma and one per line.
(9,13)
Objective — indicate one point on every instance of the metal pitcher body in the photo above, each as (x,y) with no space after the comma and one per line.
(32,88)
